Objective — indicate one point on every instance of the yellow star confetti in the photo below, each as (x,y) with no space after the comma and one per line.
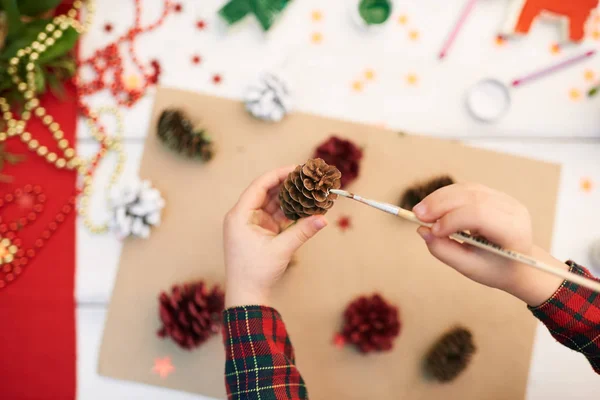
(316,15)
(575,94)
(589,75)
(132,82)
(413,35)
(403,19)
(412,79)
(586,185)
(369,74)
(357,86)
(316,37)
(555,48)
(500,40)
(596,34)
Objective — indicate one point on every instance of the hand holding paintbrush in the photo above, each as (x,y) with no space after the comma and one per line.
(449,213)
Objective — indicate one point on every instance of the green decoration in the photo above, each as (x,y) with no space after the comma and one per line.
(7,158)
(36,7)
(375,12)
(266,11)
(593,91)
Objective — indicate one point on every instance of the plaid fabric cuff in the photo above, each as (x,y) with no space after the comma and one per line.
(572,315)
(259,356)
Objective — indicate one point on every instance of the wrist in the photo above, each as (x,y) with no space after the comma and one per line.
(533,286)
(243,295)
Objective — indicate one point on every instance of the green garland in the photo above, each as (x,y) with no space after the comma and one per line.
(54,66)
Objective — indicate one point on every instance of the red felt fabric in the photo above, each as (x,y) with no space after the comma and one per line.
(37,310)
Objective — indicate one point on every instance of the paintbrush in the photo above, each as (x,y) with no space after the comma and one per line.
(479,242)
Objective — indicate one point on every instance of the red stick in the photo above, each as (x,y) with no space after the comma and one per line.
(457,27)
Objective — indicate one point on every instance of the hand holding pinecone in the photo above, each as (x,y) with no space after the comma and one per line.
(305,191)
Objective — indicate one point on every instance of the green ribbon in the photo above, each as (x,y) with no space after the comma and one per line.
(266,11)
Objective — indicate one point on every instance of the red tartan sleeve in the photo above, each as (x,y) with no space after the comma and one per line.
(572,315)
(259,356)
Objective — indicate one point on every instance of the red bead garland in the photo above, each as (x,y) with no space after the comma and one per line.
(12,269)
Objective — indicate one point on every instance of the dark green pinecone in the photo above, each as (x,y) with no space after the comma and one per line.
(177,131)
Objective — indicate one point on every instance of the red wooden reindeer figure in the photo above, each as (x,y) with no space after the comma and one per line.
(573,13)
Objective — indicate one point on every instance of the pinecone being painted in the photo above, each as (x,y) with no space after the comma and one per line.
(414,194)
(451,355)
(177,132)
(344,155)
(371,324)
(191,313)
(305,191)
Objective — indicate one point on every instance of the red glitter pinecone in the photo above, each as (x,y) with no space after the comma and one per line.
(344,155)
(371,324)
(191,313)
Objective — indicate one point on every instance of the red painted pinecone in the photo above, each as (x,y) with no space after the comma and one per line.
(344,154)
(451,355)
(416,193)
(191,314)
(305,191)
(371,324)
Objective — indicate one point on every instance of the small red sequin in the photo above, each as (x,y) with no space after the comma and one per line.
(108,28)
(217,79)
(196,59)
(344,223)
(201,24)
(178,7)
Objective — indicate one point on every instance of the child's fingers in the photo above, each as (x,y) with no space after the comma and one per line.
(296,235)
(440,202)
(448,251)
(487,220)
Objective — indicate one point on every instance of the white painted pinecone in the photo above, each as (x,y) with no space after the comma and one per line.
(136,208)
(269,99)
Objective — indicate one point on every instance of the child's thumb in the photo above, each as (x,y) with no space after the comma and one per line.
(296,235)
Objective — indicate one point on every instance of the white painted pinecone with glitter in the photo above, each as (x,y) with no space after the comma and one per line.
(269,99)
(136,208)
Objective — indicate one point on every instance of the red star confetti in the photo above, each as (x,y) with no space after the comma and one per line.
(196,59)
(217,79)
(108,28)
(201,24)
(163,367)
(344,223)
(178,7)
(339,341)
(586,185)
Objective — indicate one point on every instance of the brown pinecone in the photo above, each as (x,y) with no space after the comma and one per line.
(305,191)
(191,313)
(451,355)
(371,324)
(414,194)
(176,130)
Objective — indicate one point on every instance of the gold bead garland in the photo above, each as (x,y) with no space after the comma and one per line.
(69,160)
(111,143)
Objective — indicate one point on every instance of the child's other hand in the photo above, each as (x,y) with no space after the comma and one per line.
(500,219)
(258,247)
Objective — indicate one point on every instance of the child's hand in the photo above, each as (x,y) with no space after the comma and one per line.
(257,248)
(500,219)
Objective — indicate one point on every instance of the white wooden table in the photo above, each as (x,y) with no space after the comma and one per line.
(547,121)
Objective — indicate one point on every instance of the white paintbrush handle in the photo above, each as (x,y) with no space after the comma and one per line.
(513,255)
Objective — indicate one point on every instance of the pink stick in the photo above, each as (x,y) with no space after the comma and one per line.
(552,69)
(459,24)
